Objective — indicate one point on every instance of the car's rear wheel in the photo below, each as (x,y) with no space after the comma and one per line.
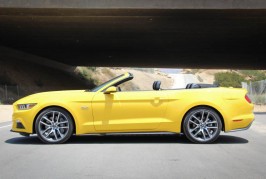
(54,125)
(202,125)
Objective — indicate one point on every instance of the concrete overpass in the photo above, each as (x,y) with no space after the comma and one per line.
(143,33)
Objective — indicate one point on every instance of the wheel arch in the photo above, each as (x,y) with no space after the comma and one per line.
(54,106)
(207,106)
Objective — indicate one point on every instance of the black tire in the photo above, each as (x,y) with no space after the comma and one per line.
(54,125)
(202,125)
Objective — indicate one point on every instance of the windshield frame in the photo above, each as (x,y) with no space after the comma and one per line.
(113,82)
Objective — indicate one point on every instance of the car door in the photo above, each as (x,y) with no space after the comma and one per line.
(129,111)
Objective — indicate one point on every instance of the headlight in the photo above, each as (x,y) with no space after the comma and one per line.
(26,106)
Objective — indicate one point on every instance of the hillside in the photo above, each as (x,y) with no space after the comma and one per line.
(143,78)
(19,78)
(207,75)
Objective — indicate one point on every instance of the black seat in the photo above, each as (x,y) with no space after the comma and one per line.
(156,85)
(188,86)
(192,85)
(195,85)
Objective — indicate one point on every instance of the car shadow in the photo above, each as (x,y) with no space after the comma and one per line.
(128,139)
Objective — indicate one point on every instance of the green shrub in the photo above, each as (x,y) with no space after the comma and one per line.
(82,73)
(91,68)
(86,73)
(228,79)
(254,75)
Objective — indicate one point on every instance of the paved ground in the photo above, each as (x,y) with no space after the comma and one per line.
(5,113)
(234,155)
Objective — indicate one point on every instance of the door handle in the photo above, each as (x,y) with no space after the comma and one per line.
(157,99)
(160,98)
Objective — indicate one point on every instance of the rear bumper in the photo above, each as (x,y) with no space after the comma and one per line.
(241,129)
(239,122)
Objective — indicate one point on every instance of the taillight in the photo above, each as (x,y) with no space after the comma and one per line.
(247,98)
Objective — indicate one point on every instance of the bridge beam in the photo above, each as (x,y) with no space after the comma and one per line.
(182,34)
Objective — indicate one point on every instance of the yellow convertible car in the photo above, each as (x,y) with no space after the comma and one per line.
(200,111)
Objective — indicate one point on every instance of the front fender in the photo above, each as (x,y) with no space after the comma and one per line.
(59,104)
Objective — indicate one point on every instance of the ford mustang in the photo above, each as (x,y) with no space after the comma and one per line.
(199,111)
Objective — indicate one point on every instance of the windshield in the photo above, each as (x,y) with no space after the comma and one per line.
(102,85)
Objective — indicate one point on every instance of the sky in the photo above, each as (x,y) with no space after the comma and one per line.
(170,70)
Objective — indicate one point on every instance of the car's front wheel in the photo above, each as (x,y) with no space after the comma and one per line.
(202,125)
(54,125)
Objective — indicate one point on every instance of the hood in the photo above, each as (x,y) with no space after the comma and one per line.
(52,95)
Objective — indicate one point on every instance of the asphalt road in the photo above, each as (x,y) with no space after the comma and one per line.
(234,155)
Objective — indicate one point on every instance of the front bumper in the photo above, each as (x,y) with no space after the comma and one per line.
(22,122)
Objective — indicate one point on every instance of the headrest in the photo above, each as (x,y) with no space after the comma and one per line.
(156,85)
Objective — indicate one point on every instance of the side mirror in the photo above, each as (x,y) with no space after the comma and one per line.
(111,89)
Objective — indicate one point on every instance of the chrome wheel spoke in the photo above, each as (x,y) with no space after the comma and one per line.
(62,122)
(213,127)
(53,117)
(196,118)
(45,124)
(192,130)
(61,135)
(58,117)
(208,133)
(212,122)
(202,131)
(63,127)
(207,117)
(202,116)
(53,126)
(49,133)
(196,133)
(55,135)
(46,130)
(47,119)
(193,122)
(202,125)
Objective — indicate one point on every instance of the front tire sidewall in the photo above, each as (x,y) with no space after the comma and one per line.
(186,129)
(69,118)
